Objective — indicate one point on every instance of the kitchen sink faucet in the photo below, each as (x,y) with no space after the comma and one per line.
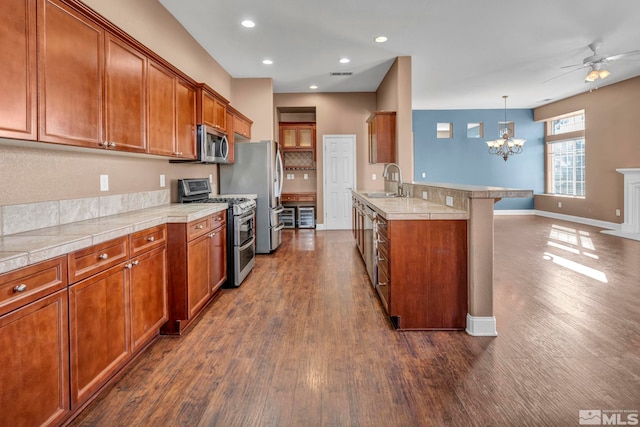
(385,174)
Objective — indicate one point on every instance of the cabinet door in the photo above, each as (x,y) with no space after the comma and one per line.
(125,100)
(35,363)
(220,115)
(218,261)
(208,107)
(148,296)
(231,137)
(185,120)
(70,74)
(198,288)
(162,107)
(18,70)
(305,137)
(288,137)
(98,331)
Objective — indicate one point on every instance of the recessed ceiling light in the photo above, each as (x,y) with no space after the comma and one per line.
(345,60)
(247,23)
(267,61)
(380,39)
(313,87)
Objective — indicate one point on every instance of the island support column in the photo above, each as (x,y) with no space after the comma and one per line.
(480,318)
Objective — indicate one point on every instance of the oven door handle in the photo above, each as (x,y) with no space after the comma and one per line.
(247,245)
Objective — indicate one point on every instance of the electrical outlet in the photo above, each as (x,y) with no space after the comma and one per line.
(448,201)
(617,212)
(424,175)
(306,176)
(163,182)
(104,182)
(373,176)
(424,195)
(559,204)
(210,178)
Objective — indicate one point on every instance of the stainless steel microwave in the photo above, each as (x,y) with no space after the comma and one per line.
(213,146)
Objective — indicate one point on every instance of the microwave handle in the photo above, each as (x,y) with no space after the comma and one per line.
(225,144)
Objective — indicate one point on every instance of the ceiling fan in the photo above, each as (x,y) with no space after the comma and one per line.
(596,63)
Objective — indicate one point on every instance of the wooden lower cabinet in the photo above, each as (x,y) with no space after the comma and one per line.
(199,290)
(426,273)
(34,375)
(197,251)
(218,258)
(98,331)
(148,296)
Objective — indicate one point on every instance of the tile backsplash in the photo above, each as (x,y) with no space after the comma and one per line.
(33,216)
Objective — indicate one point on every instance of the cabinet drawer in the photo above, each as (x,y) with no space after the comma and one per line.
(89,261)
(306,198)
(218,219)
(383,259)
(145,240)
(289,197)
(198,228)
(27,284)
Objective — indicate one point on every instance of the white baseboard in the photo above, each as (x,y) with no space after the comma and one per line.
(514,212)
(481,326)
(320,227)
(624,234)
(580,220)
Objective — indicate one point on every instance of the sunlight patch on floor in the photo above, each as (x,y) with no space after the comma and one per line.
(575,242)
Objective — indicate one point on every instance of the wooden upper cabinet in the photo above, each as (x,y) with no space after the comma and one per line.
(211,108)
(161,99)
(242,127)
(18,108)
(185,120)
(298,136)
(382,137)
(125,97)
(70,76)
(171,123)
(231,137)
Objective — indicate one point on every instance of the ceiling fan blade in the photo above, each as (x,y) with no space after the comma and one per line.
(621,55)
(574,65)
(560,75)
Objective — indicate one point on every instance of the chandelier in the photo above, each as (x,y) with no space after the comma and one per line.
(506,146)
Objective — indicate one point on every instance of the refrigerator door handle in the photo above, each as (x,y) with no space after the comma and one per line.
(280,172)
(279,227)
(278,210)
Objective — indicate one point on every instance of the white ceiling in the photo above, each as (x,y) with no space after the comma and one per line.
(465,54)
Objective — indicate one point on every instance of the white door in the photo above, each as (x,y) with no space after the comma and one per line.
(339,179)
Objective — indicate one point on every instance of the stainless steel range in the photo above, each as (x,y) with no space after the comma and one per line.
(241,219)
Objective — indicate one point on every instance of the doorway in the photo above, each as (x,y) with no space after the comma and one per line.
(339,179)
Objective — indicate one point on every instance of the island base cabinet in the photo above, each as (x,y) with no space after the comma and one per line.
(423,273)
(99,331)
(34,374)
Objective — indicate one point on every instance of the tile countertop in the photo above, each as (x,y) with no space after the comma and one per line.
(22,249)
(407,208)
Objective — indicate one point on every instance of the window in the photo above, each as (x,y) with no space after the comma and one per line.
(566,155)
(475,130)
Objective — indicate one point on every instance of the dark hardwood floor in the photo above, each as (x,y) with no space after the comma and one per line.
(304,342)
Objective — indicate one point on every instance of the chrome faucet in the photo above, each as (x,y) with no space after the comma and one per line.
(385,175)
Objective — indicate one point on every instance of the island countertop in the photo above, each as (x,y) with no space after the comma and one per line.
(480,191)
(409,208)
(26,248)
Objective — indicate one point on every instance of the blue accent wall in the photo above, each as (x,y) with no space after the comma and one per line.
(462,160)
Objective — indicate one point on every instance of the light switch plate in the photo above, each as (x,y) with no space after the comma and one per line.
(306,176)
(373,176)
(104,182)
(448,201)
(163,182)
(424,175)
(210,178)
(424,195)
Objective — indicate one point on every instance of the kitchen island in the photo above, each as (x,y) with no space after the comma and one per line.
(446,206)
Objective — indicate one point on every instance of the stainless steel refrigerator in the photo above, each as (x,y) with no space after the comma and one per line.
(258,169)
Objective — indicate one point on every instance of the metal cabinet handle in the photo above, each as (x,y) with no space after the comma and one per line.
(136,262)
(128,266)
(199,227)
(112,144)
(151,239)
(103,256)
(20,288)
(380,258)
